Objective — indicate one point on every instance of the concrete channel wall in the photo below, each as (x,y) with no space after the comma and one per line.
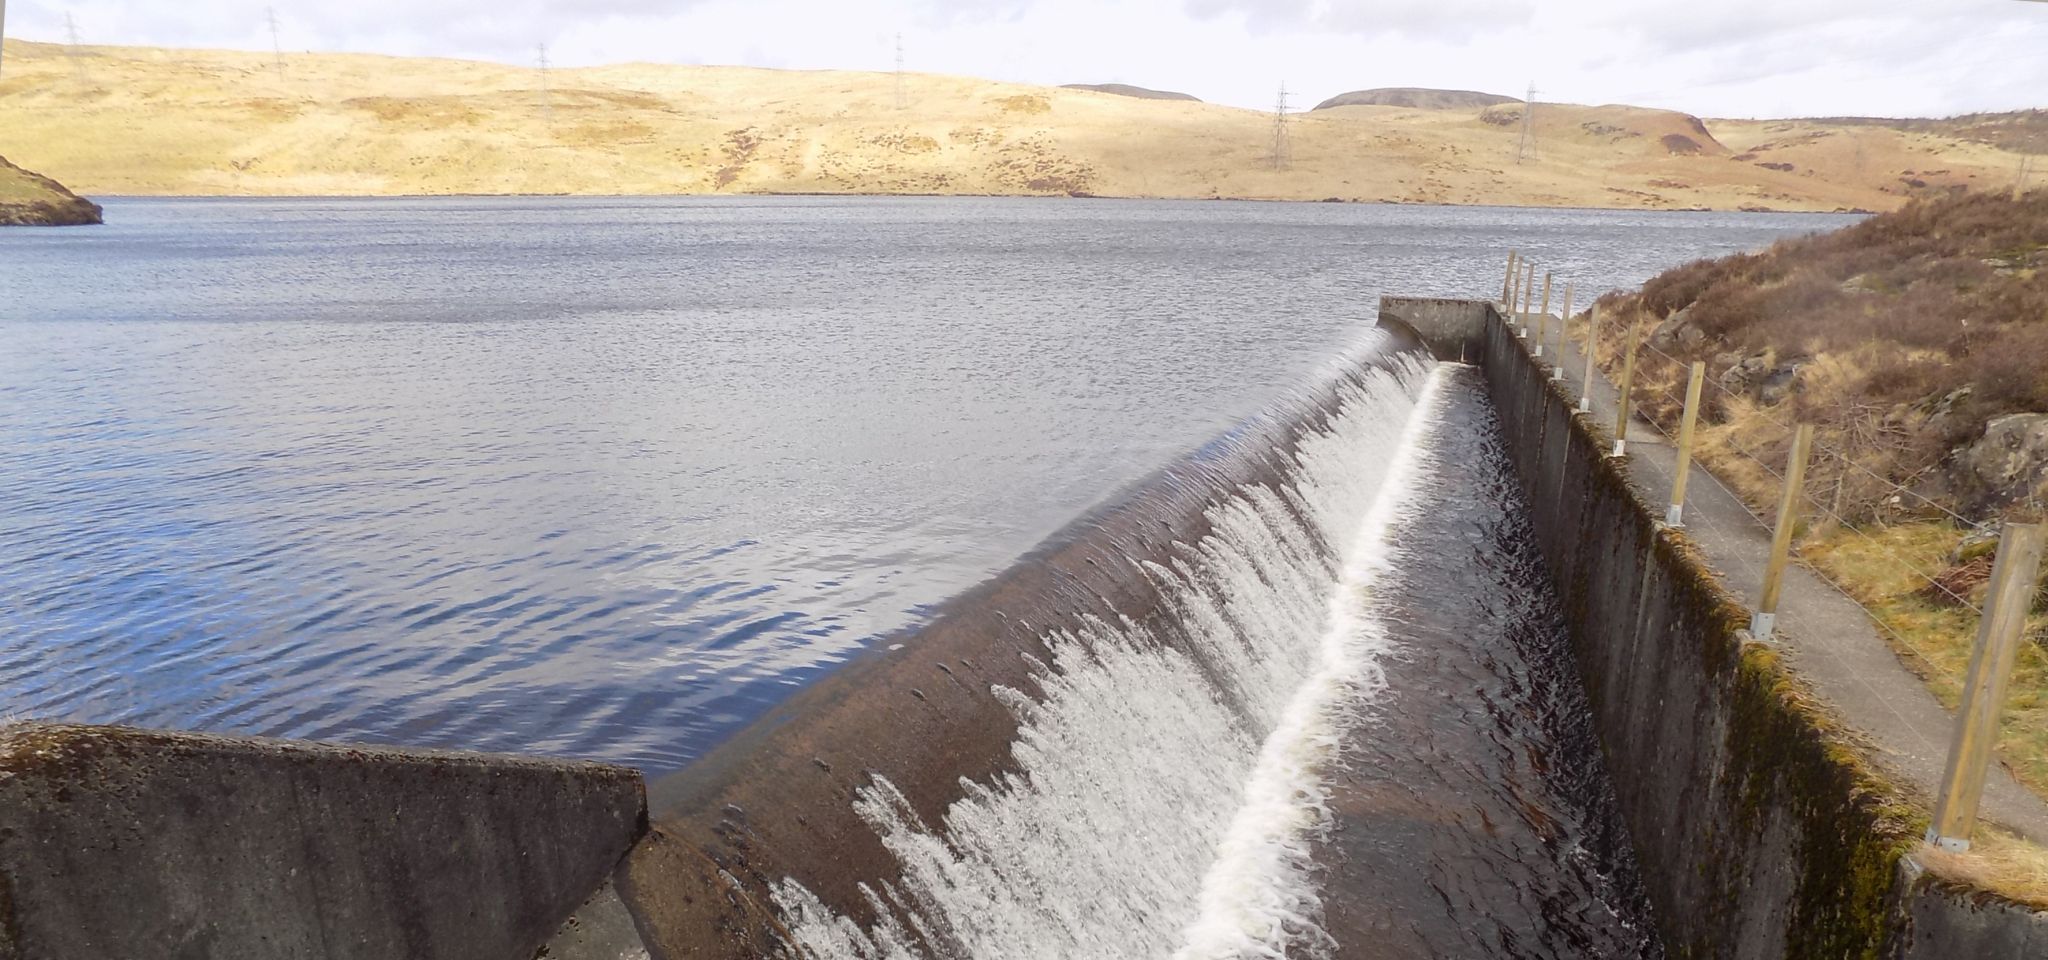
(121,843)
(1761,829)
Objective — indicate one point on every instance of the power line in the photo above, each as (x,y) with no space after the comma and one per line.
(276,49)
(547,105)
(71,50)
(1527,148)
(1280,129)
(900,98)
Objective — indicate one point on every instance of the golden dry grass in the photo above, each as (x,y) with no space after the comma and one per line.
(1997,861)
(17,187)
(159,121)
(1886,568)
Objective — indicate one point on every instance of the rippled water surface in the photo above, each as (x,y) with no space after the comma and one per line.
(605,478)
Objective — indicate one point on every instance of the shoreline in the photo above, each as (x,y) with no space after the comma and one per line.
(112,196)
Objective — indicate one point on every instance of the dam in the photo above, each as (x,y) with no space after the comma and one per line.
(1305,689)
(1310,691)
(1395,667)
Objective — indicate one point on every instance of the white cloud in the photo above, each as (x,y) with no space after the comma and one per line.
(1716,57)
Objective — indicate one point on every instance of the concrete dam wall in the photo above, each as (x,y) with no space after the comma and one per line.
(1761,829)
(140,844)
(1403,667)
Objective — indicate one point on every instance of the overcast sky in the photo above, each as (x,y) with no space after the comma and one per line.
(1736,58)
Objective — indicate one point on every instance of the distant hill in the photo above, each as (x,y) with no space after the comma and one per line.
(1126,90)
(148,121)
(2018,130)
(1416,98)
(30,199)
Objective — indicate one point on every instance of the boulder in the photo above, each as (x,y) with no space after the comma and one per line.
(1778,384)
(2011,459)
(1745,374)
(1677,333)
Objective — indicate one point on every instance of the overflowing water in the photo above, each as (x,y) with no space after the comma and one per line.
(1276,747)
(1192,806)
(606,478)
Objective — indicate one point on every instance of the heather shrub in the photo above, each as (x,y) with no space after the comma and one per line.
(1887,318)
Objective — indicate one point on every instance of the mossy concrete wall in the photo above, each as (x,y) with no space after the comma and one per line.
(120,843)
(1761,831)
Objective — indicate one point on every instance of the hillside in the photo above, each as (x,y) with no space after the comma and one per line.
(1903,338)
(156,121)
(28,199)
(1915,343)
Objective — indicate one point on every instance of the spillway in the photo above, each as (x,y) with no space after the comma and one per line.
(1305,693)
(1340,683)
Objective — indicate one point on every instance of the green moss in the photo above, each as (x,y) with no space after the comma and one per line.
(1790,759)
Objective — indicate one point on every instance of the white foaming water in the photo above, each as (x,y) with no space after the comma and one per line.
(1158,809)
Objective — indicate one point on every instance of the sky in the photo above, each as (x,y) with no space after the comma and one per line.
(1722,58)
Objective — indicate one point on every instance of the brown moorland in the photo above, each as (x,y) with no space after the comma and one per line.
(151,121)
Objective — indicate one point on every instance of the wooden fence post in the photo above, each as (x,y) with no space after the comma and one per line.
(1674,515)
(1765,622)
(1592,358)
(1999,633)
(1528,297)
(1563,333)
(1628,380)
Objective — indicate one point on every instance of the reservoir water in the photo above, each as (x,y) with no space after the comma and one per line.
(608,478)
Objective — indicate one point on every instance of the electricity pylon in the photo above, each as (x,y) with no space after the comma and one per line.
(1527,148)
(1280,129)
(900,98)
(71,50)
(276,49)
(547,103)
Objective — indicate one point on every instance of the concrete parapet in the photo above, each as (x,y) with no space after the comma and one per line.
(122,843)
(1939,919)
(1453,329)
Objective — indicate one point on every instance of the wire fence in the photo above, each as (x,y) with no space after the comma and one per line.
(1831,514)
(1808,506)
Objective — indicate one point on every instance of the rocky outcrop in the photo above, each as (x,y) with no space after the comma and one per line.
(1416,98)
(1677,333)
(34,200)
(2010,461)
(1127,90)
(1758,376)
